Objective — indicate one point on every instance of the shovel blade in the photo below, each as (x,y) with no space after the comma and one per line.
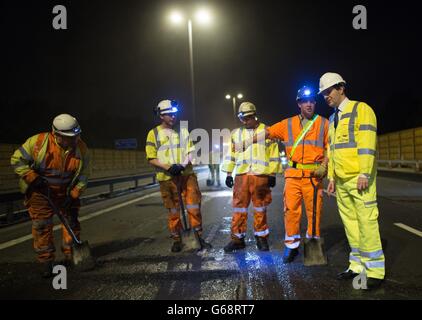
(190,241)
(314,252)
(81,256)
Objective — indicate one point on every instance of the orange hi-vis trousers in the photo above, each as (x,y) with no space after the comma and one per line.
(192,199)
(296,190)
(247,187)
(42,224)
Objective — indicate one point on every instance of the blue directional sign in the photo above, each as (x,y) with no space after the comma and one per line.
(131,143)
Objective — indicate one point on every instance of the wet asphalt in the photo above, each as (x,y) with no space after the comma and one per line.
(132,249)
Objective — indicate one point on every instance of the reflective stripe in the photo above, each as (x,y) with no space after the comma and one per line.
(240,209)
(171,146)
(353,258)
(345,145)
(25,154)
(372,255)
(192,206)
(233,159)
(262,233)
(290,131)
(355,250)
(321,133)
(157,141)
(174,210)
(370,202)
(151,144)
(293,237)
(352,123)
(275,160)
(346,115)
(310,237)
(368,127)
(57,180)
(315,143)
(240,235)
(240,134)
(253,161)
(374,264)
(56,172)
(260,209)
(367,151)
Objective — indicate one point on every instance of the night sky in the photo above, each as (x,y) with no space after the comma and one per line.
(118,59)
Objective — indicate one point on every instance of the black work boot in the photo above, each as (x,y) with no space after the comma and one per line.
(204,244)
(347,275)
(177,246)
(262,243)
(235,244)
(373,283)
(47,269)
(290,254)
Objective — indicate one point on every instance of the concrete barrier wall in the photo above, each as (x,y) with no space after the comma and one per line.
(401,145)
(104,163)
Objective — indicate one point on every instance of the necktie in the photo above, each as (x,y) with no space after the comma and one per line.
(336,118)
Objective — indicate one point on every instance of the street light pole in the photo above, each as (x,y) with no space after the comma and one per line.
(234,110)
(191,71)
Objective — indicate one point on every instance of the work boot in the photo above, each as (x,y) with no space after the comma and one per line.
(347,275)
(47,269)
(373,283)
(177,246)
(67,261)
(235,244)
(204,244)
(262,243)
(290,254)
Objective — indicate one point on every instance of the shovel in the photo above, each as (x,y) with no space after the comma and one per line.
(313,248)
(190,239)
(81,252)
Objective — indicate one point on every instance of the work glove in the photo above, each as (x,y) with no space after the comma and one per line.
(320,172)
(176,169)
(39,183)
(271,181)
(67,203)
(229,181)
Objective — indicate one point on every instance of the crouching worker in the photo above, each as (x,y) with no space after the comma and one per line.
(53,164)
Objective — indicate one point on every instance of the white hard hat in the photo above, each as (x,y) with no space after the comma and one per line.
(66,125)
(167,106)
(329,79)
(246,109)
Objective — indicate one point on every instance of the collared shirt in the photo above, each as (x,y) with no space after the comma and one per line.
(342,106)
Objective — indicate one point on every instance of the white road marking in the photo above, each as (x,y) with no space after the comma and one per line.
(14,242)
(410,229)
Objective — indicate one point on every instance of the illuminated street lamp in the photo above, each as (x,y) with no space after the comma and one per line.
(228,97)
(204,17)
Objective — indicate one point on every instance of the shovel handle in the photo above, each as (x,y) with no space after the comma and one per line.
(182,206)
(62,218)
(314,207)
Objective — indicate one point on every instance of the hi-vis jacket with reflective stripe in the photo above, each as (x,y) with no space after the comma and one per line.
(309,151)
(352,146)
(166,146)
(65,170)
(261,158)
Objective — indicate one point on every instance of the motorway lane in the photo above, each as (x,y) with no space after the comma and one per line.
(134,260)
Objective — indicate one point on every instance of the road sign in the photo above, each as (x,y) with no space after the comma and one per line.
(131,143)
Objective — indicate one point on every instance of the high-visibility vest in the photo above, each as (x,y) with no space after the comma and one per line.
(166,146)
(352,146)
(309,153)
(64,170)
(261,158)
